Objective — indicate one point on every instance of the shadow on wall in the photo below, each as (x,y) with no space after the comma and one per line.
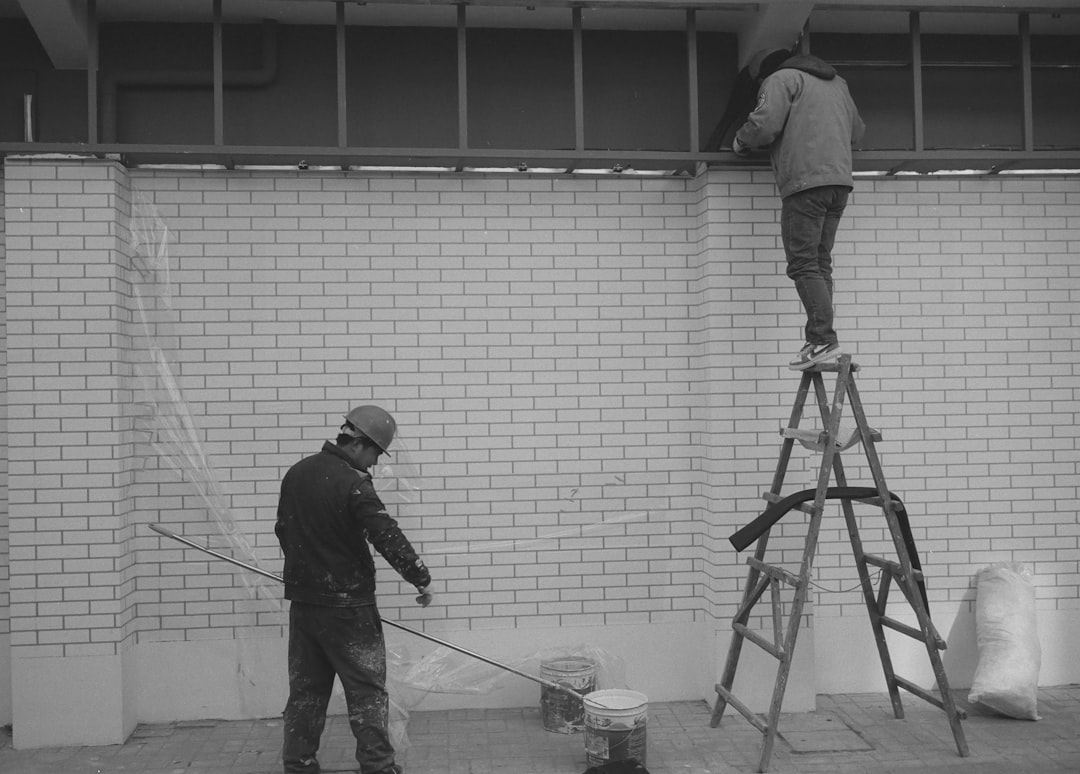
(961,656)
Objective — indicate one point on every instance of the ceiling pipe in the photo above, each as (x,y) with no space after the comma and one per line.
(263,75)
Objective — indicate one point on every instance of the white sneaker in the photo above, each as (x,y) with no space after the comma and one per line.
(812,354)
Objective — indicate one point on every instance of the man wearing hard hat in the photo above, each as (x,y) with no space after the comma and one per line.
(328,512)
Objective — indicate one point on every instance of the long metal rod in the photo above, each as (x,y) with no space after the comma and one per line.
(265,573)
(1025,80)
(917,116)
(462,78)
(93,54)
(219,77)
(692,77)
(342,90)
(579,81)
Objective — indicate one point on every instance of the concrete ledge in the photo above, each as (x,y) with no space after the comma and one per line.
(847,660)
(229,679)
(69,701)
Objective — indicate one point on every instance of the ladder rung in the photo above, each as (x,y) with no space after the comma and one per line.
(911,631)
(775,498)
(832,366)
(878,502)
(911,687)
(774,572)
(757,639)
(926,695)
(814,440)
(892,567)
(745,711)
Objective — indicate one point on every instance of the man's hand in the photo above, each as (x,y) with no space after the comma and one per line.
(739,148)
(425,597)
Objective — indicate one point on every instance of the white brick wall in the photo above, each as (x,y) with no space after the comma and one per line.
(71,567)
(597,359)
(519,330)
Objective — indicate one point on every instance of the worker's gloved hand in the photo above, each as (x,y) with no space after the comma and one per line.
(425,597)
(739,148)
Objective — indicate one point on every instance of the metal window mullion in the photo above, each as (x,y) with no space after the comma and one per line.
(916,80)
(92,56)
(1025,74)
(219,77)
(342,92)
(463,80)
(579,83)
(692,75)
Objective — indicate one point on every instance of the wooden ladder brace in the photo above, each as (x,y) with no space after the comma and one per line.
(903,572)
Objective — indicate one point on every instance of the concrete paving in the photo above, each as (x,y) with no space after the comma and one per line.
(847,733)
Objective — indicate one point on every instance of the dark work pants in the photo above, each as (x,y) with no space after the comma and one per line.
(808,223)
(347,642)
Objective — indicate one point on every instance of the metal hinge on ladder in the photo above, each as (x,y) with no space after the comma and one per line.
(905,572)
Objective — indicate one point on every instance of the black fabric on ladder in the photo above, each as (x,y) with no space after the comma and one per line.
(744,536)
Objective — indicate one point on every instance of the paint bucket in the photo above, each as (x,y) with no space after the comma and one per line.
(615,722)
(560,711)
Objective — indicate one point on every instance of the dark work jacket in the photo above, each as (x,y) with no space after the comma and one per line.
(328,512)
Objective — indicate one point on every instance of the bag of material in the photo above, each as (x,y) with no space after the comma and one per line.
(1009,656)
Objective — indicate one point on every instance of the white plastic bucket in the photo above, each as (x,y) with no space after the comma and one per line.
(615,726)
(560,711)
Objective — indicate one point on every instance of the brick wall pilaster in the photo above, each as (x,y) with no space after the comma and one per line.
(69,442)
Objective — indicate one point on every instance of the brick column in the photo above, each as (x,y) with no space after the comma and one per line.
(69,448)
(741,343)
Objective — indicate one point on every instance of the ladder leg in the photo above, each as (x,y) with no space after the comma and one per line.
(872,609)
(802,589)
(911,588)
(805,569)
(727,679)
(784,669)
(731,664)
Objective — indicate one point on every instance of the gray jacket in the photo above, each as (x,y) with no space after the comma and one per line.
(807,119)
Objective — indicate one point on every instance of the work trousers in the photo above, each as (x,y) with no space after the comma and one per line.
(808,223)
(346,642)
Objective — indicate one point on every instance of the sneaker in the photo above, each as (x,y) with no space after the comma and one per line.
(812,354)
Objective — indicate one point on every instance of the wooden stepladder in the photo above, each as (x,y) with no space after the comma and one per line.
(904,571)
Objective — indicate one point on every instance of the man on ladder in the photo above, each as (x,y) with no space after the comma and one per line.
(806,118)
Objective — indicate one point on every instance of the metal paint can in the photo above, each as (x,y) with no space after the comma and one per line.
(559,711)
(615,726)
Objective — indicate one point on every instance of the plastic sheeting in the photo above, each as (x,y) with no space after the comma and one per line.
(1009,656)
(446,671)
(165,419)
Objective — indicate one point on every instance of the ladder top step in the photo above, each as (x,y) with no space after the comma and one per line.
(830,366)
(814,439)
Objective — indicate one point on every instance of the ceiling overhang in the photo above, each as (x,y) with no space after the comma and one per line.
(61,27)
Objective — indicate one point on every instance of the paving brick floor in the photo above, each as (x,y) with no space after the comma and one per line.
(847,733)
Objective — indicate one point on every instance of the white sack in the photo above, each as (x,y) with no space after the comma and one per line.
(1007,673)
